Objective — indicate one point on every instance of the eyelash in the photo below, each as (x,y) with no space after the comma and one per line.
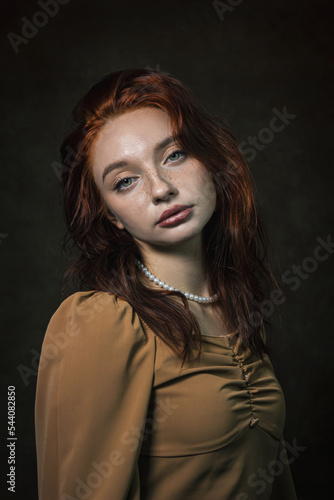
(117,185)
(177,151)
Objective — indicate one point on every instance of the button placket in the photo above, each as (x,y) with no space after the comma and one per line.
(253,420)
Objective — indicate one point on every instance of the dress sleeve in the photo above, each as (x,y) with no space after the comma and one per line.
(94,385)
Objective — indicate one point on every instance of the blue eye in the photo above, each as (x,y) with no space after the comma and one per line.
(178,152)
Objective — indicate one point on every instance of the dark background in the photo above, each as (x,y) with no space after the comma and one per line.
(263,55)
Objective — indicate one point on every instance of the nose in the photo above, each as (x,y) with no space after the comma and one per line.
(162,188)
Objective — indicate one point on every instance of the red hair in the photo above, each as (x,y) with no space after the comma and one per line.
(235,241)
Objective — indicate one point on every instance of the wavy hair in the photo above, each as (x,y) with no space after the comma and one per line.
(235,241)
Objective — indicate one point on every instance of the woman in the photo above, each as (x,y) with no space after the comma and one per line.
(155,380)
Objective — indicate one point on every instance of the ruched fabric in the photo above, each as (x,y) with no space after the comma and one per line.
(118,419)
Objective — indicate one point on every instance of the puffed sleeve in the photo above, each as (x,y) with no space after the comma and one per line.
(94,384)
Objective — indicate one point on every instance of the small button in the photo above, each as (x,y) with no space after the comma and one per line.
(253,422)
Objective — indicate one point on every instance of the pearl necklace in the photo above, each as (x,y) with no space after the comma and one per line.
(162,284)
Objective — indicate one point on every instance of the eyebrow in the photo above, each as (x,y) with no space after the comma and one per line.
(119,164)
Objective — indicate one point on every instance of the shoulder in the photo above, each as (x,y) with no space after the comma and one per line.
(88,304)
(85,320)
(93,306)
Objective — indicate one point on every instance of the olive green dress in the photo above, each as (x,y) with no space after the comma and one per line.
(117,419)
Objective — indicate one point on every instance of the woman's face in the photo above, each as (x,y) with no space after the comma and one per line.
(151,175)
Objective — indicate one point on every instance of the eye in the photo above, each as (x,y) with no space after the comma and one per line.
(178,154)
(117,186)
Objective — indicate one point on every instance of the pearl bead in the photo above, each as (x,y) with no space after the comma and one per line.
(162,284)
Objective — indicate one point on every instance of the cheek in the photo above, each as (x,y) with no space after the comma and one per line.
(128,210)
(208,189)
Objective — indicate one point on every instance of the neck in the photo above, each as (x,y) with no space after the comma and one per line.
(182,267)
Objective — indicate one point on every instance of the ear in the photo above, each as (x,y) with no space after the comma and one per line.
(114,220)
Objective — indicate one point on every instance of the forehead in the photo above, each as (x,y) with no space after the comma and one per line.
(144,124)
(131,134)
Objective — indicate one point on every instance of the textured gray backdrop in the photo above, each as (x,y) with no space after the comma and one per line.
(248,62)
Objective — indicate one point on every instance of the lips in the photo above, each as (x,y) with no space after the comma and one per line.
(171,211)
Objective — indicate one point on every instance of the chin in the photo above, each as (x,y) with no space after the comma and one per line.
(174,239)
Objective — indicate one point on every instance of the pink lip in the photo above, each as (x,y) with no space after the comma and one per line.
(171,211)
(175,218)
